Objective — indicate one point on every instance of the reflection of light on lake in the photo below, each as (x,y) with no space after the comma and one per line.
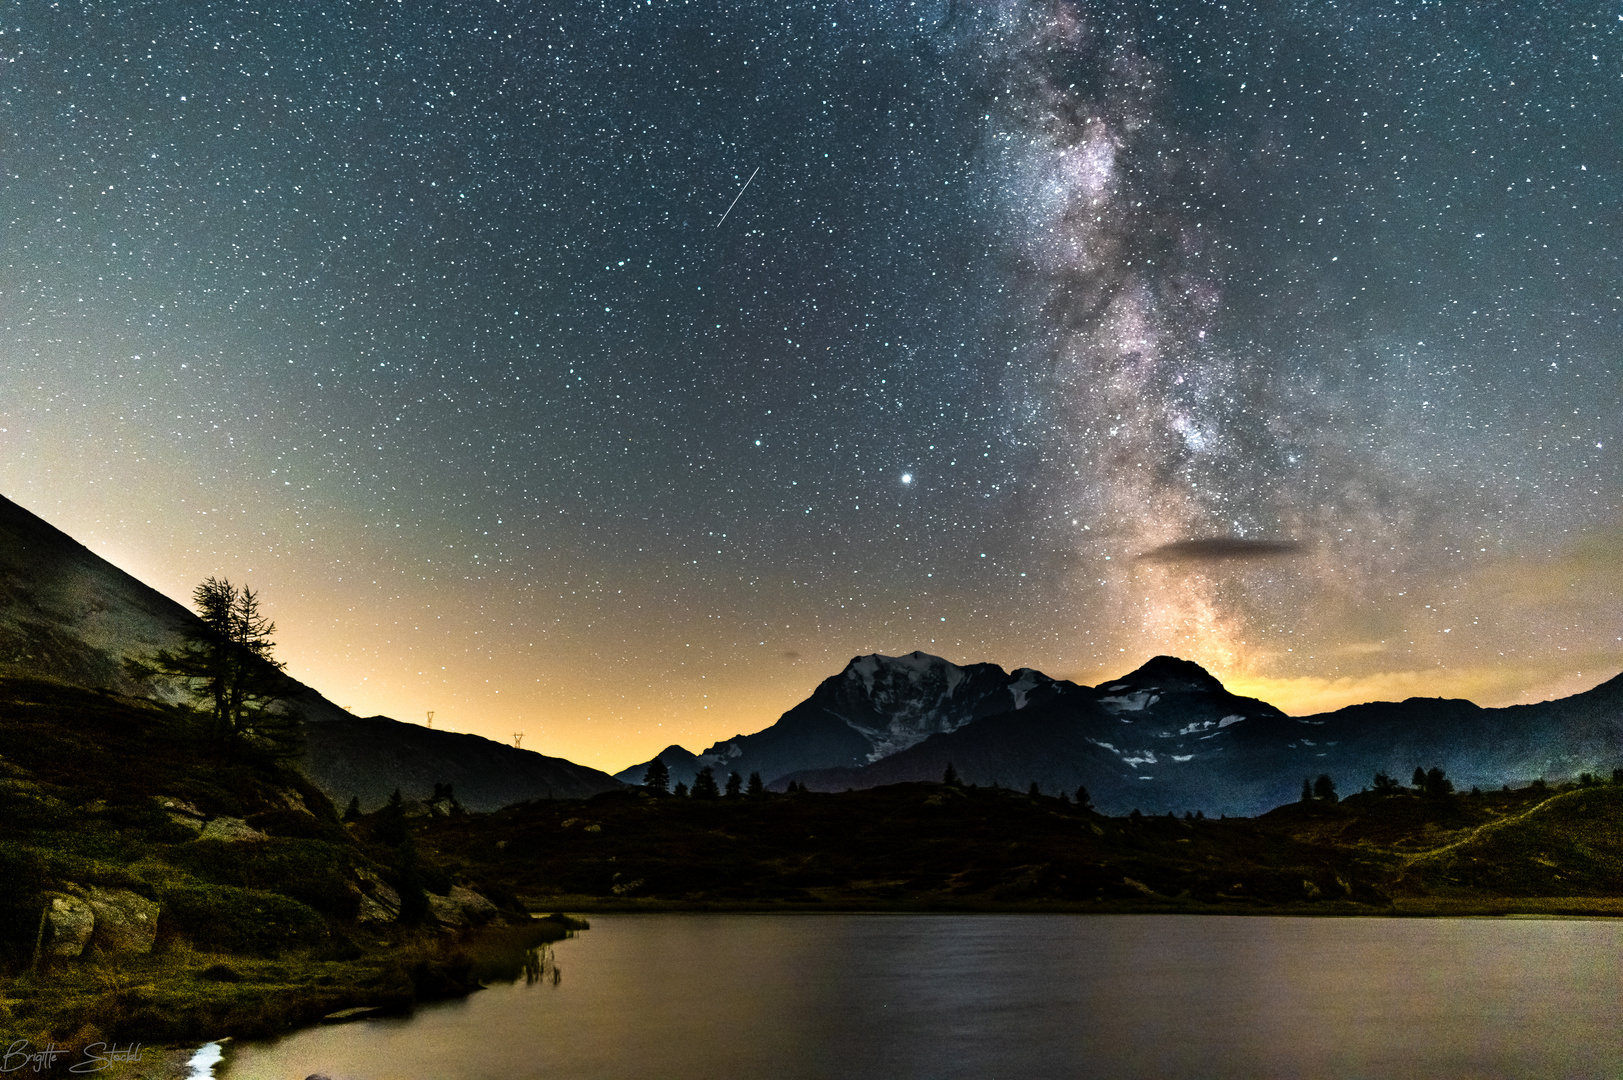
(675,996)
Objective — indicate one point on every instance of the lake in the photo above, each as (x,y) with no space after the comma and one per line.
(1016,996)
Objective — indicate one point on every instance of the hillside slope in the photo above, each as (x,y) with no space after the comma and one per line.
(68,615)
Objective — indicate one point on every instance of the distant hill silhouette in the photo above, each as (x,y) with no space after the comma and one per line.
(69,615)
(1166,737)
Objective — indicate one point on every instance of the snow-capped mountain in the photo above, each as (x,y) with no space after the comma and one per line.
(1169,737)
(877,706)
(1165,737)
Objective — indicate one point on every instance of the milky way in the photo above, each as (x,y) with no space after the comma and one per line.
(615,373)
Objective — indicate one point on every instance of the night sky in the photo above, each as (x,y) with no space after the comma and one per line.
(1282,337)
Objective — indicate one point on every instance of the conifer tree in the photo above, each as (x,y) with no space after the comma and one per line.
(704,784)
(657,778)
(755,788)
(735,783)
(226,665)
(950,777)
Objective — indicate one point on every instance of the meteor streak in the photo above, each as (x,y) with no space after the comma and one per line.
(740,195)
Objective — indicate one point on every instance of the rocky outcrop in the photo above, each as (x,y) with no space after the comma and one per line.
(461,907)
(113,922)
(184,813)
(379,902)
(69,922)
(230,829)
(126,922)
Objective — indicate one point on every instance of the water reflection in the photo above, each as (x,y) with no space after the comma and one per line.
(1029,996)
(539,966)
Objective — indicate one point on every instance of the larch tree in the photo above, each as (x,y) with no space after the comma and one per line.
(227,665)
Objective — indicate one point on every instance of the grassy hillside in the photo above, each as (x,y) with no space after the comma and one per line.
(940,847)
(228,897)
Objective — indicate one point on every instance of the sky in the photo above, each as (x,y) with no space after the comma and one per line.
(615,372)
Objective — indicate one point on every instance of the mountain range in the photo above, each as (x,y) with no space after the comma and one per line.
(1165,737)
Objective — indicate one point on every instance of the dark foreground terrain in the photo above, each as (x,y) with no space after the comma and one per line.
(158,886)
(949,847)
(163,887)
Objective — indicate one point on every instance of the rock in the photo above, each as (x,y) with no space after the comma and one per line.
(372,910)
(344,1016)
(294,801)
(231,829)
(125,921)
(379,901)
(180,806)
(69,923)
(477,907)
(182,812)
(461,907)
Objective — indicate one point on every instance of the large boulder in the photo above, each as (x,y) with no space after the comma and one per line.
(125,922)
(461,907)
(69,924)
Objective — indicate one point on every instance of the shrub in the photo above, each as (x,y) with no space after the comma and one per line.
(240,920)
(313,872)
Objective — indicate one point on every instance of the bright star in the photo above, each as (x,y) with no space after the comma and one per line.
(907,478)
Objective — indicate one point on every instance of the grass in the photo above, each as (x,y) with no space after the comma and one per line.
(930,847)
(252,938)
(256,938)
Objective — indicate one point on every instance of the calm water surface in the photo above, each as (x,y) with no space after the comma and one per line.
(1017,996)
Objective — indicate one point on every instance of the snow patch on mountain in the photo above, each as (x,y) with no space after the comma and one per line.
(1134,702)
(917,695)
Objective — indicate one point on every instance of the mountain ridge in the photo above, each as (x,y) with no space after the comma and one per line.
(69,615)
(1169,737)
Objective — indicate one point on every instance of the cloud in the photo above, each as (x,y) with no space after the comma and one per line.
(1218,548)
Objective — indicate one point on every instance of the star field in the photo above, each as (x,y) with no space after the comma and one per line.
(429,325)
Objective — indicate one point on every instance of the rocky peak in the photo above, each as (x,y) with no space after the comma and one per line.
(1168,675)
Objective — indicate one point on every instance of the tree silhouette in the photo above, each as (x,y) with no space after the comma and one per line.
(1324,788)
(1419,778)
(755,788)
(735,783)
(704,785)
(1035,790)
(1385,785)
(1436,783)
(1307,790)
(681,791)
(1082,799)
(657,777)
(353,811)
(950,777)
(226,665)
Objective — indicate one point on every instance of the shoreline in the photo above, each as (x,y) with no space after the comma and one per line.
(1408,908)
